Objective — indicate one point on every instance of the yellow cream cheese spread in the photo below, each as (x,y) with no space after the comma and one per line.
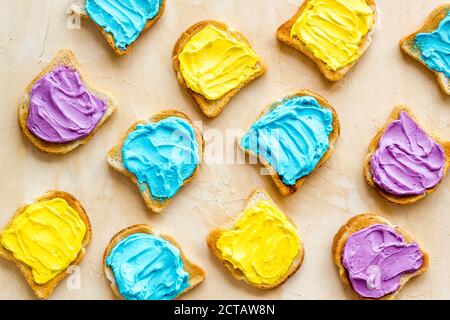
(47,236)
(213,62)
(334,29)
(262,244)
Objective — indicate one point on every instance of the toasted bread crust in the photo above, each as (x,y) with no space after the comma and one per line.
(373,146)
(407,44)
(43,291)
(109,37)
(114,156)
(286,189)
(214,236)
(284,35)
(62,58)
(196,274)
(211,108)
(363,221)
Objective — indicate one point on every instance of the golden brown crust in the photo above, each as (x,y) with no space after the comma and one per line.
(373,146)
(285,189)
(114,156)
(211,108)
(407,44)
(43,291)
(196,274)
(214,235)
(364,221)
(284,35)
(109,37)
(62,58)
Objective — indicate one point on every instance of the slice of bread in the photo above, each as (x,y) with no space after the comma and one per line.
(211,108)
(363,221)
(196,274)
(62,58)
(373,146)
(286,189)
(214,235)
(284,35)
(109,37)
(407,44)
(43,291)
(114,156)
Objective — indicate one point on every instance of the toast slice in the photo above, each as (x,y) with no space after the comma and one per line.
(114,157)
(214,235)
(373,146)
(407,44)
(286,189)
(211,108)
(109,37)
(62,58)
(196,274)
(43,291)
(363,221)
(284,35)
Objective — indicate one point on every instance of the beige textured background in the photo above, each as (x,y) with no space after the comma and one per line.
(34,30)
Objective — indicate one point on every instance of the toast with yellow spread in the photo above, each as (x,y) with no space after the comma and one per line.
(44,239)
(261,246)
(332,33)
(213,63)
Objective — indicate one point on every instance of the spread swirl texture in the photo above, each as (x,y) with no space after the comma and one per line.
(61,108)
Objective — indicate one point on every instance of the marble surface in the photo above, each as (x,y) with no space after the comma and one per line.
(144,83)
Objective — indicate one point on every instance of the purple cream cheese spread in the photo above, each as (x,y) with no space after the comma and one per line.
(376,258)
(61,109)
(407,161)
